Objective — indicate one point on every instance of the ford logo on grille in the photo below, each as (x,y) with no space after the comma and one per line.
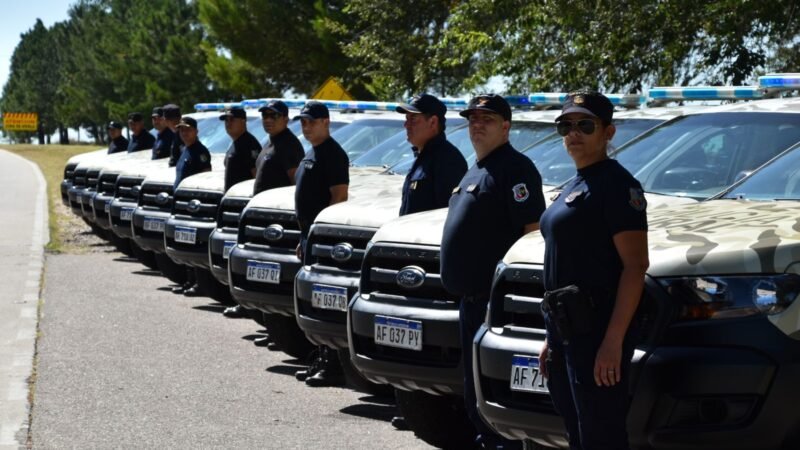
(411,277)
(194,205)
(135,191)
(273,233)
(162,198)
(342,252)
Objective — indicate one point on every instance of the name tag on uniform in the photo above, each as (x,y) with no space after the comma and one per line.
(574,195)
(456,190)
(413,185)
(472,187)
(308,165)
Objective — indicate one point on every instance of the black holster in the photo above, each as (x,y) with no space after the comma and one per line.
(571,310)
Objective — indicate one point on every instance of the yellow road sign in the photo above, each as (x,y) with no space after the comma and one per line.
(20,121)
(331,89)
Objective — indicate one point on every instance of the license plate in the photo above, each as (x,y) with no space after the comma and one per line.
(398,333)
(525,375)
(329,297)
(126,213)
(226,249)
(107,206)
(263,272)
(185,235)
(154,224)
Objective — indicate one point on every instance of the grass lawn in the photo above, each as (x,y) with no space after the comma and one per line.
(51,160)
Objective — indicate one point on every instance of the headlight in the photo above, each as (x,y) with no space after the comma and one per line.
(720,297)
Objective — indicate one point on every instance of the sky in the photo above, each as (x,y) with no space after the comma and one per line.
(18,17)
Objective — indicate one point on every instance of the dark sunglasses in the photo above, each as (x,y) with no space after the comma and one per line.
(585,126)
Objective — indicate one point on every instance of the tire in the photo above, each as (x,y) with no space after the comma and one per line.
(288,336)
(123,245)
(357,381)
(146,257)
(213,288)
(440,421)
(174,272)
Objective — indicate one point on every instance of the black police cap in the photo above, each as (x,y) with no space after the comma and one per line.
(313,110)
(591,103)
(423,104)
(276,106)
(114,124)
(135,117)
(157,112)
(187,122)
(491,103)
(236,111)
(172,111)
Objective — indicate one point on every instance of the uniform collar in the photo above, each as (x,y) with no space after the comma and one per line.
(280,136)
(596,167)
(432,143)
(326,143)
(503,148)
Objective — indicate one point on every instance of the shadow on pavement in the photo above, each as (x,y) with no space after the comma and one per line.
(378,399)
(147,272)
(210,308)
(371,411)
(125,259)
(284,370)
(252,337)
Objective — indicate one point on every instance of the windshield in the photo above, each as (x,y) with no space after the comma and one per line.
(396,149)
(699,155)
(299,131)
(554,163)
(211,132)
(359,136)
(780,180)
(521,135)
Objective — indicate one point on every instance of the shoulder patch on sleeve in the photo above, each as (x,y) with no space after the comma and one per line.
(521,192)
(637,201)
(204,158)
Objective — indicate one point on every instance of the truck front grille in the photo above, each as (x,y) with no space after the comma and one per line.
(383,264)
(338,246)
(196,205)
(269,228)
(157,196)
(229,211)
(127,188)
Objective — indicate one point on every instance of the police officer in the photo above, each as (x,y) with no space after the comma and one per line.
(240,161)
(275,167)
(322,179)
(116,142)
(498,200)
(165,136)
(172,115)
(195,157)
(595,261)
(141,139)
(438,166)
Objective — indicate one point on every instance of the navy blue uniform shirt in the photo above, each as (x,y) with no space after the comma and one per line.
(436,171)
(118,145)
(144,141)
(163,144)
(241,159)
(488,212)
(194,159)
(601,201)
(175,150)
(323,167)
(283,153)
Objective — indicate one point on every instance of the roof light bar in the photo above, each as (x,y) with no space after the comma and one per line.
(361,106)
(558,99)
(706,93)
(627,100)
(518,101)
(779,81)
(200,107)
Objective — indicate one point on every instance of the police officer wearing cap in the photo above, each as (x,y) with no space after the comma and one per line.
(195,157)
(438,166)
(595,262)
(497,201)
(240,161)
(322,179)
(141,139)
(117,143)
(172,115)
(275,167)
(164,136)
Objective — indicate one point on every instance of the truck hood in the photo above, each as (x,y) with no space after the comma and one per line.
(373,201)
(161,175)
(715,237)
(100,162)
(81,157)
(206,181)
(421,228)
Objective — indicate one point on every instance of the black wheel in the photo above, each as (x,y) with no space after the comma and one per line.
(284,332)
(439,420)
(213,288)
(122,244)
(174,272)
(357,381)
(145,257)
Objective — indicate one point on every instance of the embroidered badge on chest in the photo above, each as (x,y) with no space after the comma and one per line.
(637,201)
(521,192)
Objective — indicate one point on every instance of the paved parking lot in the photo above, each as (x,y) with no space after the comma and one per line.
(123,362)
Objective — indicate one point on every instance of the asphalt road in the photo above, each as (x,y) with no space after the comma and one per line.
(124,363)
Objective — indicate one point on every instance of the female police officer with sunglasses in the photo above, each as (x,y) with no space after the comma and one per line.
(595,261)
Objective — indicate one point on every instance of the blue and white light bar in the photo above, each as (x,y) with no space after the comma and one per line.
(518,101)
(558,99)
(256,103)
(455,103)
(201,107)
(706,93)
(360,106)
(627,100)
(779,81)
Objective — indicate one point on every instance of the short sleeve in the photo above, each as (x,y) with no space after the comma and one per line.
(289,156)
(448,171)
(624,206)
(523,193)
(205,160)
(338,168)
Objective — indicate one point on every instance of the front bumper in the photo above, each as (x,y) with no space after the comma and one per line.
(323,326)
(85,198)
(65,185)
(219,239)
(195,255)
(119,225)
(74,193)
(148,239)
(437,369)
(101,205)
(265,297)
(690,392)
